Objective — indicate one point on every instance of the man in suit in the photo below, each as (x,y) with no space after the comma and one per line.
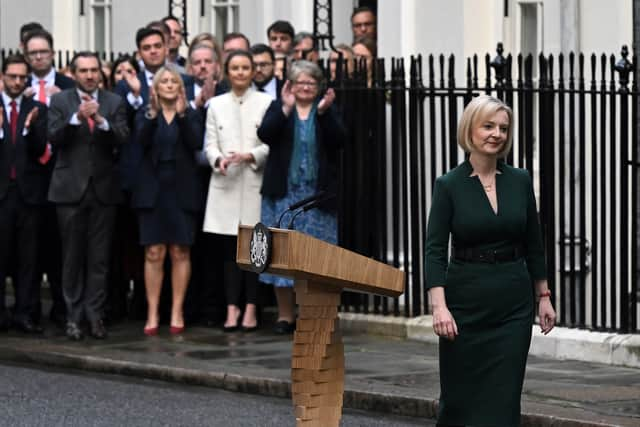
(85,125)
(264,79)
(22,193)
(43,82)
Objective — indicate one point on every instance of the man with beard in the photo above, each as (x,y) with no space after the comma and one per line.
(265,79)
(85,125)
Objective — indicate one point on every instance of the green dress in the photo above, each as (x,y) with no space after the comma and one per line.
(482,370)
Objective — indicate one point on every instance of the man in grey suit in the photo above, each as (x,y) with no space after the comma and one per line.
(86,125)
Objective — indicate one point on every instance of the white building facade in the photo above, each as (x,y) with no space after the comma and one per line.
(405,27)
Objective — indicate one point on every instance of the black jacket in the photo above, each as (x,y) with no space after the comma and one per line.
(277,130)
(145,193)
(31,176)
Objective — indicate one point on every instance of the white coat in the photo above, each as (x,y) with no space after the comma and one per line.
(232,124)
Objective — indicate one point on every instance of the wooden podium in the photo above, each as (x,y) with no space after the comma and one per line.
(321,271)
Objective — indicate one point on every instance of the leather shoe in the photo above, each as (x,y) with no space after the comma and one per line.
(27,326)
(283,327)
(97,330)
(74,333)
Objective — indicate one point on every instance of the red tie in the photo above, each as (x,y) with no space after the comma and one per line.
(13,119)
(42,92)
(91,123)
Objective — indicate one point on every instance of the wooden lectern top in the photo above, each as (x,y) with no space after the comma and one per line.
(301,256)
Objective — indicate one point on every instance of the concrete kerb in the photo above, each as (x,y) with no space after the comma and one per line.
(561,343)
(363,400)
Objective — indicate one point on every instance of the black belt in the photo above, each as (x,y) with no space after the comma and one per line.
(488,255)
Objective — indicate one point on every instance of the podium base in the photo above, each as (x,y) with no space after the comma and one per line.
(317,362)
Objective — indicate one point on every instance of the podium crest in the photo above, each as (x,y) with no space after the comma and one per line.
(260,248)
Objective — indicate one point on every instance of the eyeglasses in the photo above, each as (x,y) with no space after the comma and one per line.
(306,84)
(16,76)
(36,53)
(264,64)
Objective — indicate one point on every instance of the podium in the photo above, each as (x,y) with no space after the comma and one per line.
(320,271)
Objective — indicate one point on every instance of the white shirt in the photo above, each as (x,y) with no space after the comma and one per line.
(270,88)
(50,80)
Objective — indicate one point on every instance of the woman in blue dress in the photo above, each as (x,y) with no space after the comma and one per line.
(304,134)
(167,194)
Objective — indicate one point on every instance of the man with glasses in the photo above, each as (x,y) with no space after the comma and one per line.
(363,23)
(23,189)
(265,79)
(43,82)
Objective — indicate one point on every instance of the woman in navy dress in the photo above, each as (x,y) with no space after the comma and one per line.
(304,134)
(167,194)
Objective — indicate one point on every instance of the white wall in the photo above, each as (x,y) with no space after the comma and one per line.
(130,15)
(15,13)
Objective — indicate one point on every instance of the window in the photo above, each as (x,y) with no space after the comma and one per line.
(224,18)
(100,25)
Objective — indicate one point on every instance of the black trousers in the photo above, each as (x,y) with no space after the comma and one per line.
(50,259)
(237,283)
(87,233)
(19,228)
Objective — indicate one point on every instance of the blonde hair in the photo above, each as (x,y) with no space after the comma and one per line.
(171,69)
(479,109)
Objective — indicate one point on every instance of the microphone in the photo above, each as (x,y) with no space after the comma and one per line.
(301,203)
(311,205)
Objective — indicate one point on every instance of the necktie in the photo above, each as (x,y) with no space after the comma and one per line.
(91,123)
(42,92)
(13,125)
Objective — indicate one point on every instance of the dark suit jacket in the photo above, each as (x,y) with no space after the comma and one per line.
(82,154)
(277,131)
(131,154)
(31,176)
(145,193)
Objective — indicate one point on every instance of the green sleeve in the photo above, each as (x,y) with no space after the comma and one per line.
(533,243)
(438,230)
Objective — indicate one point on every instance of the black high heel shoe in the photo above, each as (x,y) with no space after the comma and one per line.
(235,327)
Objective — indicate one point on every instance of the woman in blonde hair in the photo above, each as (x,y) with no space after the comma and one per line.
(167,194)
(483,298)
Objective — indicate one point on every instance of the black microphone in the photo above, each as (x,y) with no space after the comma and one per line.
(311,205)
(301,203)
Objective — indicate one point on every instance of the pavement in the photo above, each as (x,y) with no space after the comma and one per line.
(384,374)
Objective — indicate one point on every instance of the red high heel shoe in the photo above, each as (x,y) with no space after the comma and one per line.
(151,332)
(175,330)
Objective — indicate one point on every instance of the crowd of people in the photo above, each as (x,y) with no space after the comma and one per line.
(124,183)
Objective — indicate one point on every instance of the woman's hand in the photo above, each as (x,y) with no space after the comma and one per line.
(326,101)
(444,325)
(153,103)
(288,98)
(547,315)
(181,103)
(237,158)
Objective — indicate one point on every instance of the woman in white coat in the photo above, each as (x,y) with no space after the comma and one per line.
(237,157)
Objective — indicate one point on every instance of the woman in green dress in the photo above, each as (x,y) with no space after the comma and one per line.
(483,298)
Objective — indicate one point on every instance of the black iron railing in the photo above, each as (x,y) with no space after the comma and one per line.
(576,133)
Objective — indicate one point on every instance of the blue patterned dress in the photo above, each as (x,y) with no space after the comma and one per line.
(302,183)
